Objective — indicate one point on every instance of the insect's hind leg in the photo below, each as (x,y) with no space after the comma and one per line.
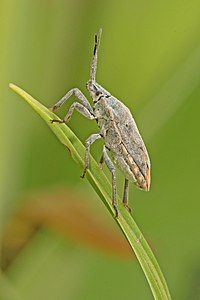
(92,138)
(125,196)
(112,169)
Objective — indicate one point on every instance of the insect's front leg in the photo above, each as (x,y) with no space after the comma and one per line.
(80,108)
(78,94)
(112,169)
(125,196)
(92,138)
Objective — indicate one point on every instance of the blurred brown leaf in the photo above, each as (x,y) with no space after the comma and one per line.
(68,213)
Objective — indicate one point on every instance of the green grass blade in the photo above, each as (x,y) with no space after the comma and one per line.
(102,186)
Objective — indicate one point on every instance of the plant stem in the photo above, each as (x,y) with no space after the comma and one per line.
(102,186)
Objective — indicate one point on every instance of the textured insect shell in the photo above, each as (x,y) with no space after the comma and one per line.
(124,140)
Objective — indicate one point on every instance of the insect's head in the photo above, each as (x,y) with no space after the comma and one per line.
(94,90)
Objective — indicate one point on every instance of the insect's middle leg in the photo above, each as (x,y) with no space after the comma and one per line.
(112,169)
(92,138)
(125,196)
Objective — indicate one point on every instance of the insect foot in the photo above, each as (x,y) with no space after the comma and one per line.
(83,175)
(57,121)
(127,208)
(116,212)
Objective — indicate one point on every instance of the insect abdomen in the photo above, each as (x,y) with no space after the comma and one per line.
(123,139)
(130,169)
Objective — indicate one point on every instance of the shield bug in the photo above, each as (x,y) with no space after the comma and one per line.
(118,129)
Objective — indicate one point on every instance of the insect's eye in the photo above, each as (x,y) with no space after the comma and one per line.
(98,93)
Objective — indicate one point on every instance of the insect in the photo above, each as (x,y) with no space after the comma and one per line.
(117,127)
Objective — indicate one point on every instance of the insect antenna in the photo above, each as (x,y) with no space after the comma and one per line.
(93,68)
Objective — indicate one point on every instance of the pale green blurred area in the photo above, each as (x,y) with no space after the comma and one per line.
(150,58)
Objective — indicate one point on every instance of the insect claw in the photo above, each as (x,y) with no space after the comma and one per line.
(56,121)
(128,208)
(83,175)
(101,165)
(116,212)
(53,108)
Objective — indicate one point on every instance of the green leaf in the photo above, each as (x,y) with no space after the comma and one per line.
(102,186)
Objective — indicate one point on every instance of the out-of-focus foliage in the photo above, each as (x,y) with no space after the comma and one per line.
(149,58)
(41,210)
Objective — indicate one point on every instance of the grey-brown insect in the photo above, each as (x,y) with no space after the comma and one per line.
(118,129)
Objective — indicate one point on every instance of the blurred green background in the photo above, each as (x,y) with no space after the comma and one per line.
(150,58)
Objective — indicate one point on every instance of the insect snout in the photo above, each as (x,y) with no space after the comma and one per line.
(91,86)
(94,90)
